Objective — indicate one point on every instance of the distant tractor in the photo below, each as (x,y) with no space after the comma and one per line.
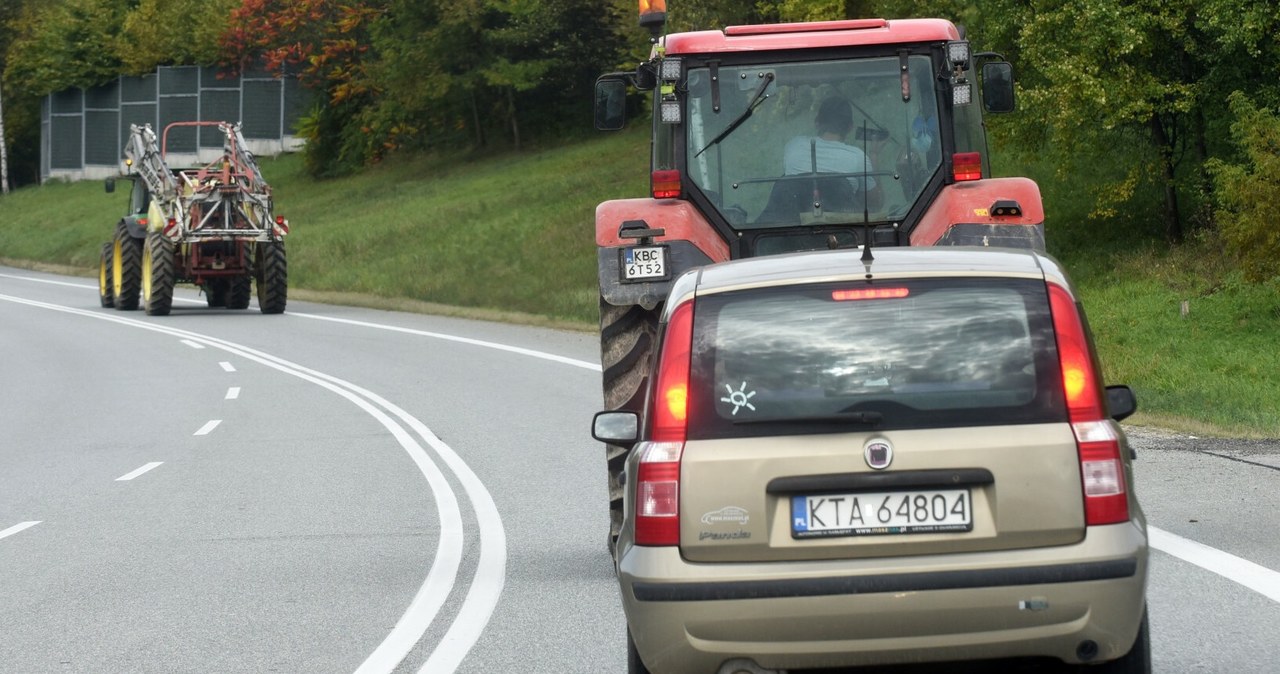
(212,226)
(769,139)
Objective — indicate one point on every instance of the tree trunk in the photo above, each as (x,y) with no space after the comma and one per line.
(1172,217)
(4,153)
(511,110)
(475,119)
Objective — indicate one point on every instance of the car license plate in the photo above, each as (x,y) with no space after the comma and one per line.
(645,263)
(875,513)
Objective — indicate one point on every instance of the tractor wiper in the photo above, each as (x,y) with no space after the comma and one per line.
(867,418)
(756,99)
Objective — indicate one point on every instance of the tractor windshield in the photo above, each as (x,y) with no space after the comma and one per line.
(829,142)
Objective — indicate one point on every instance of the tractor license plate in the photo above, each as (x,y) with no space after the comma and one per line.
(644,264)
(866,514)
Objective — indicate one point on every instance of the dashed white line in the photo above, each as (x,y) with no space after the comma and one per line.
(136,473)
(18,527)
(1258,578)
(194,345)
(233,393)
(228,367)
(208,428)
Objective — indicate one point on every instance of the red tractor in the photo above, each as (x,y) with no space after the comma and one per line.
(770,139)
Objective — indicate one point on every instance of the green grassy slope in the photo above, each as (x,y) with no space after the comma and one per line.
(515,233)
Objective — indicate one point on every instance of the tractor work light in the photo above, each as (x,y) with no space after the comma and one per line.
(671,112)
(670,71)
(958,54)
(961,93)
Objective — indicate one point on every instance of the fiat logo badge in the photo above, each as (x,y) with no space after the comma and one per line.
(879,454)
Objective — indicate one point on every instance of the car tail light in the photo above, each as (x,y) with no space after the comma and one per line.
(657,509)
(1101,468)
(666,184)
(966,166)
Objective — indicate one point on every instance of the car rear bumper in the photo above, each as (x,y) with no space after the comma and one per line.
(689,617)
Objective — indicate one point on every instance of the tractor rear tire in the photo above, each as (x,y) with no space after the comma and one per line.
(273,278)
(628,335)
(215,293)
(239,292)
(158,275)
(126,268)
(106,280)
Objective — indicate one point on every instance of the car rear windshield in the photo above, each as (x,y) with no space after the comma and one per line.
(914,354)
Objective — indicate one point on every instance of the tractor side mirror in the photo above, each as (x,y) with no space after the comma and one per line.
(611,103)
(110,185)
(997,87)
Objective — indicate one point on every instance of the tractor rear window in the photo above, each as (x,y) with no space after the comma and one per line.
(917,354)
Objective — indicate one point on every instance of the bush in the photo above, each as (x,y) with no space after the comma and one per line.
(1248,193)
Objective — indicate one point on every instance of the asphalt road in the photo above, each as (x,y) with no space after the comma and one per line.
(395,492)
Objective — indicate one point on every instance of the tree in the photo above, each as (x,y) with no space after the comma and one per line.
(173,32)
(1249,191)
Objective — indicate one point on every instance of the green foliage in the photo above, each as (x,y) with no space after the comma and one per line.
(173,32)
(1248,193)
(71,43)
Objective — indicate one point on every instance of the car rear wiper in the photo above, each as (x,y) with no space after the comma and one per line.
(756,99)
(868,418)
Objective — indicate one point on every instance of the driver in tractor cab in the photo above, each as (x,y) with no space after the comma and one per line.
(827,152)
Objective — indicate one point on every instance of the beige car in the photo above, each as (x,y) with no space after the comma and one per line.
(908,459)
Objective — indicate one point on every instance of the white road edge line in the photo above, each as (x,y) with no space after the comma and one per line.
(461,340)
(194,345)
(23,526)
(82,285)
(1256,577)
(233,393)
(443,573)
(208,428)
(136,473)
(227,366)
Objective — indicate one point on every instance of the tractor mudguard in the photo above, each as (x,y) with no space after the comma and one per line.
(692,242)
(965,214)
(136,230)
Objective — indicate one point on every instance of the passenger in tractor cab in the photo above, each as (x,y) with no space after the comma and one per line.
(827,152)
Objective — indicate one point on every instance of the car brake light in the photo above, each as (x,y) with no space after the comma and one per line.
(657,511)
(666,184)
(869,294)
(1101,468)
(966,166)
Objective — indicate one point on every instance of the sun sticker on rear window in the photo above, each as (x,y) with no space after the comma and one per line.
(739,398)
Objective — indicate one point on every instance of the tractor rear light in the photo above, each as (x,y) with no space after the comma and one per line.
(657,510)
(870,294)
(142,222)
(966,166)
(1101,468)
(282,225)
(170,228)
(666,184)
(653,14)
